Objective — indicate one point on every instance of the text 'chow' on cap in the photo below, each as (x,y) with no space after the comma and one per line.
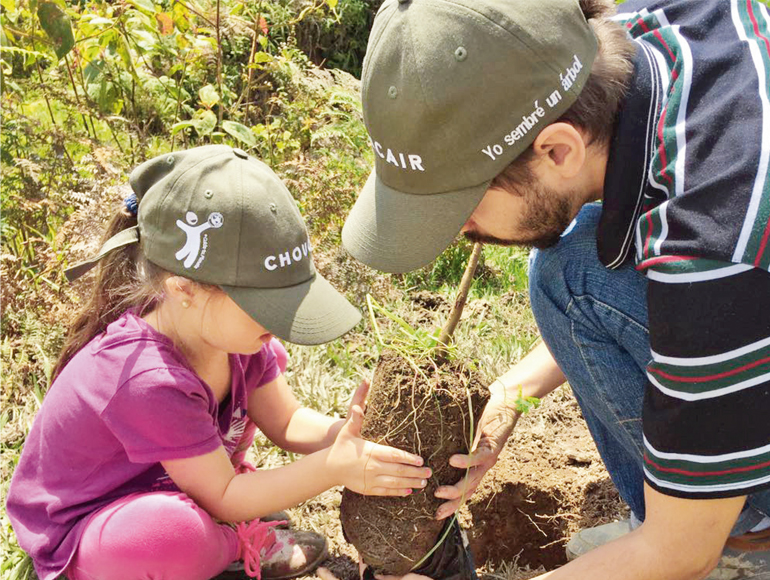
(453,91)
(216,215)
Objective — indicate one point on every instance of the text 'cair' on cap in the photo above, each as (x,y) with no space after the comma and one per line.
(475,81)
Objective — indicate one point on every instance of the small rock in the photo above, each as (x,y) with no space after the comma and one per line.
(579,457)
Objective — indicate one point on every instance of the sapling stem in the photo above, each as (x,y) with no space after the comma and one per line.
(462,295)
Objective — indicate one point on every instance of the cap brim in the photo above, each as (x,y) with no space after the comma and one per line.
(398,232)
(309,313)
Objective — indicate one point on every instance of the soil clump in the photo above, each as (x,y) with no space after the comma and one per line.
(426,413)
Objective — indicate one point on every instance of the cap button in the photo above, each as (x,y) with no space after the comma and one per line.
(240,153)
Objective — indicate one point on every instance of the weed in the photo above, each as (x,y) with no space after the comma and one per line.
(525,404)
(501,269)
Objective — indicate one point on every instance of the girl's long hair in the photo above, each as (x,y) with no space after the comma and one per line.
(124,280)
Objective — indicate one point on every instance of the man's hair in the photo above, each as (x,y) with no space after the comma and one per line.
(597,106)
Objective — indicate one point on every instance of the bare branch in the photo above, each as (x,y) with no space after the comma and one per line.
(462,295)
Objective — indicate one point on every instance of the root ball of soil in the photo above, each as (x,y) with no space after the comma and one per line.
(427,413)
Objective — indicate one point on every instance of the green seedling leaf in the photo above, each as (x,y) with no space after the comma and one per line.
(262,57)
(124,51)
(181,15)
(240,132)
(12,86)
(208,96)
(96,20)
(145,6)
(180,126)
(57,26)
(26,53)
(205,122)
(405,327)
(373,320)
(93,70)
(525,404)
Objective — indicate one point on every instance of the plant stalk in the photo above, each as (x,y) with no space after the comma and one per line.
(254,43)
(220,108)
(445,336)
(77,96)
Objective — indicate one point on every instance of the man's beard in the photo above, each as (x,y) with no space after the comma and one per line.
(546,216)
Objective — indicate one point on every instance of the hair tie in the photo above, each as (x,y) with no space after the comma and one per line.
(132,204)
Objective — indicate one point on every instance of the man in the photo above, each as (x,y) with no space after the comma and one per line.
(504,120)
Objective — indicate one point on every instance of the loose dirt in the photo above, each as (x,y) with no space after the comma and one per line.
(548,483)
(426,413)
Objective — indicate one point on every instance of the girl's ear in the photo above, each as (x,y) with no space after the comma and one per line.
(180,289)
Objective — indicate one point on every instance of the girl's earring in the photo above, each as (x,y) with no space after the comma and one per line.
(185,304)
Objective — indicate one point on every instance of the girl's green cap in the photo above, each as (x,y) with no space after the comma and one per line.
(216,215)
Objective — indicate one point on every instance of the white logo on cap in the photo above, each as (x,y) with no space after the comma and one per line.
(192,247)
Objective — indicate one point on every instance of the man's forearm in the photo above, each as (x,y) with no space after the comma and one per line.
(631,558)
(537,374)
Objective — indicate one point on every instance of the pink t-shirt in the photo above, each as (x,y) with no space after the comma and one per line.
(125,402)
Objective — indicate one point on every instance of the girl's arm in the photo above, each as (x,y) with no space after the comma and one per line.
(278,414)
(360,465)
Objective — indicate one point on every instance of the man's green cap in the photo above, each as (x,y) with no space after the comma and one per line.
(218,216)
(453,91)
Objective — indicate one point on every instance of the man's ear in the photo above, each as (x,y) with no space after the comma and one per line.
(561,147)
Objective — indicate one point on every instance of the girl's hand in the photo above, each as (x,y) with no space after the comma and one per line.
(369,468)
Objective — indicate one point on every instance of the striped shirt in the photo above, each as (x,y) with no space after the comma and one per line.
(688,190)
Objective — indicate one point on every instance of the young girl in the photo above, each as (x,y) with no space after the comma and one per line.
(133,464)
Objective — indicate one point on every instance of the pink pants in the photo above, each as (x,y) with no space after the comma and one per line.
(160,535)
(153,536)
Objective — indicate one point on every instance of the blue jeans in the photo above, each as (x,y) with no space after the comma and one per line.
(594,321)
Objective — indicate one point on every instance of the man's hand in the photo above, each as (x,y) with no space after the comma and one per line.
(495,426)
